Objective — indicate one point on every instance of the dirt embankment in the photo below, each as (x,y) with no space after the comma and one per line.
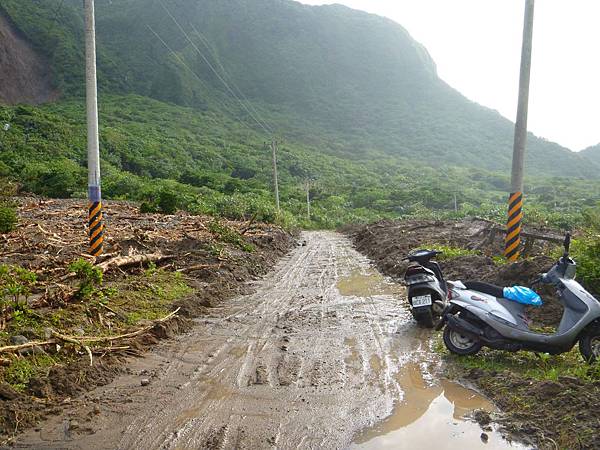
(207,261)
(541,403)
(24,73)
(387,242)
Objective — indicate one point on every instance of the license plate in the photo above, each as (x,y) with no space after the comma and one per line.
(421,300)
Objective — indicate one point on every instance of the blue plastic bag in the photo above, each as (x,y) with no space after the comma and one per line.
(523,295)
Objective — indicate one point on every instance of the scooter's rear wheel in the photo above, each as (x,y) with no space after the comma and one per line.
(589,345)
(459,343)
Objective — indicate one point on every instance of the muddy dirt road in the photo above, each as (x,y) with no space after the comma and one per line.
(322,355)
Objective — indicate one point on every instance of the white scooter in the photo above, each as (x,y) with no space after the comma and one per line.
(479,315)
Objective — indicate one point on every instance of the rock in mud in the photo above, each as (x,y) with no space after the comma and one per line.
(549,389)
(7,393)
(145,382)
(482,417)
(18,339)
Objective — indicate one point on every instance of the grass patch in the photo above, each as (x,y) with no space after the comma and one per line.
(541,366)
(105,311)
(229,235)
(23,369)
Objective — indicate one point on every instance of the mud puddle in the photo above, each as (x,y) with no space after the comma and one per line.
(367,283)
(433,415)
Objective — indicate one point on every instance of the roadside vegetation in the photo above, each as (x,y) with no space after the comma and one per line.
(170,158)
(87,308)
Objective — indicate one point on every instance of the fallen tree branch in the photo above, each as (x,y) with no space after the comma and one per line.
(16,348)
(80,340)
(123,261)
(249,224)
(122,336)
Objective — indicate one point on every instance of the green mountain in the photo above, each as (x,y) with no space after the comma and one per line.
(191,89)
(352,80)
(592,153)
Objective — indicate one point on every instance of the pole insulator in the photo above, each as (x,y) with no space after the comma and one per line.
(513,226)
(96,228)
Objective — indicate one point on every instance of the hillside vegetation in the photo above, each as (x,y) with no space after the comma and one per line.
(356,100)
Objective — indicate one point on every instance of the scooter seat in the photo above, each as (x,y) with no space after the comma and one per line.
(485,288)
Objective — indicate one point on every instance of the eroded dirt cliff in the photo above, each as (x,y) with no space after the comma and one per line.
(24,73)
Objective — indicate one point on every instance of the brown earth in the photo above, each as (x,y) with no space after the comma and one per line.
(322,354)
(24,73)
(555,414)
(387,242)
(51,235)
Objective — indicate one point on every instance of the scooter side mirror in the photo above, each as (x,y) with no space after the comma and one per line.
(567,243)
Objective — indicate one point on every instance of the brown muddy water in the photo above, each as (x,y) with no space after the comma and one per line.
(324,354)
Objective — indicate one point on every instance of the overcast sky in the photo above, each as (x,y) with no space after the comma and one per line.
(476,45)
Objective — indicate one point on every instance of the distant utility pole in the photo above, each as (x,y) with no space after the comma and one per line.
(515,202)
(274,148)
(95,222)
(307,185)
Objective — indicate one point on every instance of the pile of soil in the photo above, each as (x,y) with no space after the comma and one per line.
(51,235)
(552,414)
(387,242)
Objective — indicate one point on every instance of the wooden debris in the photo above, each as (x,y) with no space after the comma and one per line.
(83,340)
(123,261)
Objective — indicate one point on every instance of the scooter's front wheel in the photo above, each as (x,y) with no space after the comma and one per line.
(589,344)
(459,343)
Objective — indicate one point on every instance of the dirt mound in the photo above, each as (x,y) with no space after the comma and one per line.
(387,242)
(24,74)
(544,408)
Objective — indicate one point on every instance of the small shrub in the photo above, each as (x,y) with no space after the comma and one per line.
(8,218)
(15,286)
(90,278)
(168,202)
(148,208)
(229,235)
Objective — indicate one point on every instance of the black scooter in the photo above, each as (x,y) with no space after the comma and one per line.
(427,289)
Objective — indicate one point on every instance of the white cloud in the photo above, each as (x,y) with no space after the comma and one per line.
(476,45)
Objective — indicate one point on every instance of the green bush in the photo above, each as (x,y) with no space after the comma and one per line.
(229,235)
(15,286)
(8,217)
(168,202)
(90,278)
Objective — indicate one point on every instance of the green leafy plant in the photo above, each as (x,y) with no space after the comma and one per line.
(8,217)
(90,278)
(15,286)
(229,235)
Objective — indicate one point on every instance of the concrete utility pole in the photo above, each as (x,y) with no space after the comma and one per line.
(95,222)
(515,202)
(274,148)
(308,199)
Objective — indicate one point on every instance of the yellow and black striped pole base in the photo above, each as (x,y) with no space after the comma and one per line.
(513,226)
(96,228)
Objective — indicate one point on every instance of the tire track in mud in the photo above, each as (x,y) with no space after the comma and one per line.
(294,365)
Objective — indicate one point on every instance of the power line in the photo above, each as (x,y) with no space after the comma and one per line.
(229,77)
(182,61)
(265,127)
